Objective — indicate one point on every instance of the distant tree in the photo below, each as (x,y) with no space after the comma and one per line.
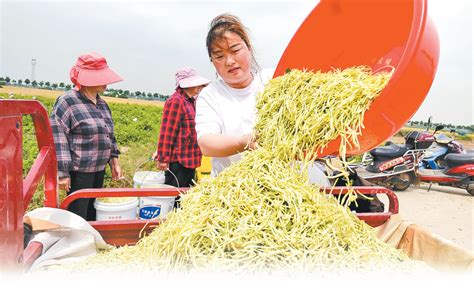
(156,95)
(138,93)
(120,91)
(2,79)
(34,83)
(126,92)
(41,83)
(27,81)
(13,81)
(54,85)
(20,82)
(47,84)
(68,87)
(150,95)
(61,85)
(7,79)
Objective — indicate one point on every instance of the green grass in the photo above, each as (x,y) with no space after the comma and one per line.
(136,130)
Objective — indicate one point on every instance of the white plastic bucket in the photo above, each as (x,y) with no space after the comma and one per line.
(106,211)
(152,207)
(148,178)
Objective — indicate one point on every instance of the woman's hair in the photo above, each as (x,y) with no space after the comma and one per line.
(229,23)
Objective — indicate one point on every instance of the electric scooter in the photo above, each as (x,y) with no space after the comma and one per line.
(394,165)
(435,154)
(447,164)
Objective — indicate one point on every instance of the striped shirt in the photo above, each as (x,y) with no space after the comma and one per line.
(178,140)
(83,134)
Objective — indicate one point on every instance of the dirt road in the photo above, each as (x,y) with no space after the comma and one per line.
(443,210)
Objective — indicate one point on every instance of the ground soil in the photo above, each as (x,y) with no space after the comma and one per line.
(445,211)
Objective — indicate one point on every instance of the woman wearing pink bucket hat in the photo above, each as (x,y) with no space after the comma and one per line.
(178,153)
(83,131)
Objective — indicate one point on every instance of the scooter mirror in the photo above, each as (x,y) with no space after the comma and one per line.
(438,128)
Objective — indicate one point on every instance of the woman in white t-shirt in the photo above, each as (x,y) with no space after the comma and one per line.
(225,109)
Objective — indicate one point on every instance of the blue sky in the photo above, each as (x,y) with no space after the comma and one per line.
(147,41)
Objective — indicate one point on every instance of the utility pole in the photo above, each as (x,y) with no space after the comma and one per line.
(33,63)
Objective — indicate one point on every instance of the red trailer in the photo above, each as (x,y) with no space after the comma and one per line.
(16,192)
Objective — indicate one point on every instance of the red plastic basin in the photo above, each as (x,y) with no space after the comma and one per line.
(345,33)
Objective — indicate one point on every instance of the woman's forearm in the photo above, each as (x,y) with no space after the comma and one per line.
(222,145)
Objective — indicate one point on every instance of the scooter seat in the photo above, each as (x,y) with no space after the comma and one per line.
(389,152)
(457,159)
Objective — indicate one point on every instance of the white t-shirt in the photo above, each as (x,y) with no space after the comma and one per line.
(223,110)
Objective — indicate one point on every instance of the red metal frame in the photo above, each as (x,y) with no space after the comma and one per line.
(128,232)
(373,219)
(122,232)
(16,193)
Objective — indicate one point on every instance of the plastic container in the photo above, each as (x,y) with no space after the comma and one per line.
(380,34)
(158,207)
(106,211)
(204,170)
(148,178)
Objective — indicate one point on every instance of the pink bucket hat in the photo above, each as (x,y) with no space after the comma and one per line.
(188,77)
(91,69)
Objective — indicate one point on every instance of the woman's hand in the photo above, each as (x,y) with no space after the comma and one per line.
(65,184)
(116,169)
(250,142)
(162,166)
(216,145)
